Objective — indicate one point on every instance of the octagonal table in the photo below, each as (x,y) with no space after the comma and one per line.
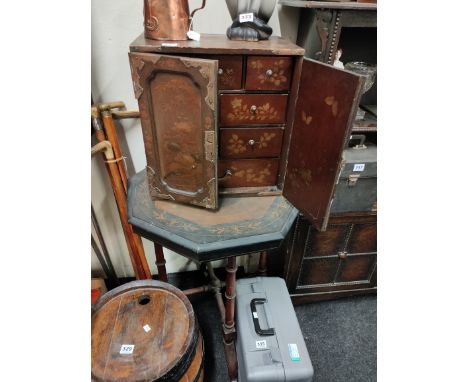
(242,225)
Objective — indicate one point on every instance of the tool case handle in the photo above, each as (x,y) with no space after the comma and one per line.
(253,308)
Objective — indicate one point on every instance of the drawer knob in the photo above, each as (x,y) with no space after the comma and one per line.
(251,142)
(253,109)
(220,71)
(227,173)
(343,255)
(269,73)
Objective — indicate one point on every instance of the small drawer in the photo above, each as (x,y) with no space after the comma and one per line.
(258,142)
(229,72)
(247,172)
(268,73)
(252,109)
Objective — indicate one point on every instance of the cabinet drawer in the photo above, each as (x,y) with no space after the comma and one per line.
(256,142)
(268,73)
(252,109)
(247,172)
(229,72)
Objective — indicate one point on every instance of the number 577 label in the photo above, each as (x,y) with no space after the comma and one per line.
(244,17)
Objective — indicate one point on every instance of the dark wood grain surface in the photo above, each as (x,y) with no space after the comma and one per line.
(168,345)
(334,263)
(219,44)
(324,114)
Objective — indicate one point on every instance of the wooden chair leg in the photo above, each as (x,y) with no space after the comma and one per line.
(229,327)
(262,263)
(160,262)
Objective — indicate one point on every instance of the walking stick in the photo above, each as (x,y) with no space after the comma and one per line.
(137,255)
(108,112)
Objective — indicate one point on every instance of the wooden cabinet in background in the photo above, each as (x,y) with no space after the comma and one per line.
(341,261)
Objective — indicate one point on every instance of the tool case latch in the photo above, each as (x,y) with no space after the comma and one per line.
(352,179)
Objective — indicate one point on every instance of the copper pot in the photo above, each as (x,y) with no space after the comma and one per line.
(166,19)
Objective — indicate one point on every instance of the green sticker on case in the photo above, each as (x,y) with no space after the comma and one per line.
(294,352)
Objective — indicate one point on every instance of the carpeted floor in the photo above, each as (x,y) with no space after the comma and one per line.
(341,337)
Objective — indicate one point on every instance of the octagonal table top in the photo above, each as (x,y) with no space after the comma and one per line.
(240,226)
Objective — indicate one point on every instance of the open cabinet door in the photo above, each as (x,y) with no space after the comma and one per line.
(178,111)
(326,106)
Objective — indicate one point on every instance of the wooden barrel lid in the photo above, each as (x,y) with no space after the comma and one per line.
(142,331)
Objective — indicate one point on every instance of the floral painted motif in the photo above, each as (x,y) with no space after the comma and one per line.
(238,146)
(227,79)
(330,101)
(241,112)
(278,70)
(251,176)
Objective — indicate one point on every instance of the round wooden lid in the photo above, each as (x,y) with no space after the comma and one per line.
(141,331)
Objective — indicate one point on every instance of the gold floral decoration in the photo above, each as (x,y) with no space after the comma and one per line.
(227,78)
(237,145)
(251,176)
(278,68)
(241,112)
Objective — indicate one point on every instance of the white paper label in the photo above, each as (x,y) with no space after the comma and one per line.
(261,344)
(127,349)
(169,44)
(244,17)
(359,167)
(146,328)
(255,314)
(192,35)
(294,352)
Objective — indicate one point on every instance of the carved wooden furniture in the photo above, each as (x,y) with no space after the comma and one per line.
(242,225)
(224,117)
(341,261)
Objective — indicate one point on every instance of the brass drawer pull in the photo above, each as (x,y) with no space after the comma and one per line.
(220,71)
(227,174)
(253,109)
(269,73)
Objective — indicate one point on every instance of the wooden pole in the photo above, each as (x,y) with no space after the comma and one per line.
(137,256)
(108,114)
(229,327)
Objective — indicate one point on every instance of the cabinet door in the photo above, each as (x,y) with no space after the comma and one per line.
(178,110)
(325,110)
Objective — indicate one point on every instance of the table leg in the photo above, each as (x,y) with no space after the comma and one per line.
(160,262)
(262,263)
(229,327)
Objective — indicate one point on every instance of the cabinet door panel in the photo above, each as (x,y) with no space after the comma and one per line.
(318,271)
(363,238)
(325,111)
(356,268)
(179,131)
(326,243)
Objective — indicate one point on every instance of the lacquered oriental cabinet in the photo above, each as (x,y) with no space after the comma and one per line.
(242,118)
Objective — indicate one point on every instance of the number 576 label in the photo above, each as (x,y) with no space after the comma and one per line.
(244,17)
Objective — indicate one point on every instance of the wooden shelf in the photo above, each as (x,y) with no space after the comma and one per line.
(352,5)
